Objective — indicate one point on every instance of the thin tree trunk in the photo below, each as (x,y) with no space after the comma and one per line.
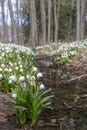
(78,20)
(5,33)
(58,4)
(33,23)
(55,21)
(49,19)
(18,30)
(70,24)
(43,21)
(82,18)
(13,26)
(20,26)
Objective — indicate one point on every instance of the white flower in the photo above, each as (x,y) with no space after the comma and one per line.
(21,78)
(21,70)
(3,54)
(3,65)
(14,95)
(15,63)
(10,70)
(11,64)
(35,69)
(7,51)
(13,78)
(0,69)
(16,68)
(42,86)
(28,76)
(19,62)
(10,81)
(20,66)
(39,75)
(1,76)
(11,50)
(0,57)
(32,78)
(19,58)
(6,69)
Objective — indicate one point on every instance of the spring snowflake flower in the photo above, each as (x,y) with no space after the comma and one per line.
(42,86)
(14,95)
(0,69)
(19,62)
(21,78)
(20,66)
(35,69)
(28,76)
(39,75)
(3,54)
(10,70)
(2,65)
(16,68)
(10,81)
(32,78)
(13,78)
(21,70)
(15,63)
(1,76)
(6,69)
(11,50)
(7,51)
(11,64)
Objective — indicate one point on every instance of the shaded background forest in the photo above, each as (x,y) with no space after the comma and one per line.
(39,22)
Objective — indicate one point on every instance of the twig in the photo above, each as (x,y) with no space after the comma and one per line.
(78,77)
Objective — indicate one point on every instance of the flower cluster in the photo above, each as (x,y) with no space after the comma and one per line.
(22,82)
(63,51)
(13,62)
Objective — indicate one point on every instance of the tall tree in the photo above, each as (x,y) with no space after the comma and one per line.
(55,21)
(43,20)
(33,23)
(78,20)
(49,19)
(71,18)
(5,31)
(83,3)
(13,25)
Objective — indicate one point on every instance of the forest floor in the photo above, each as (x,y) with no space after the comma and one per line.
(52,117)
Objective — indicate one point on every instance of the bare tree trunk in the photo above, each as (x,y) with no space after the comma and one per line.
(58,4)
(21,40)
(43,21)
(70,23)
(56,19)
(5,32)
(13,26)
(18,30)
(78,20)
(83,2)
(52,23)
(33,23)
(49,19)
